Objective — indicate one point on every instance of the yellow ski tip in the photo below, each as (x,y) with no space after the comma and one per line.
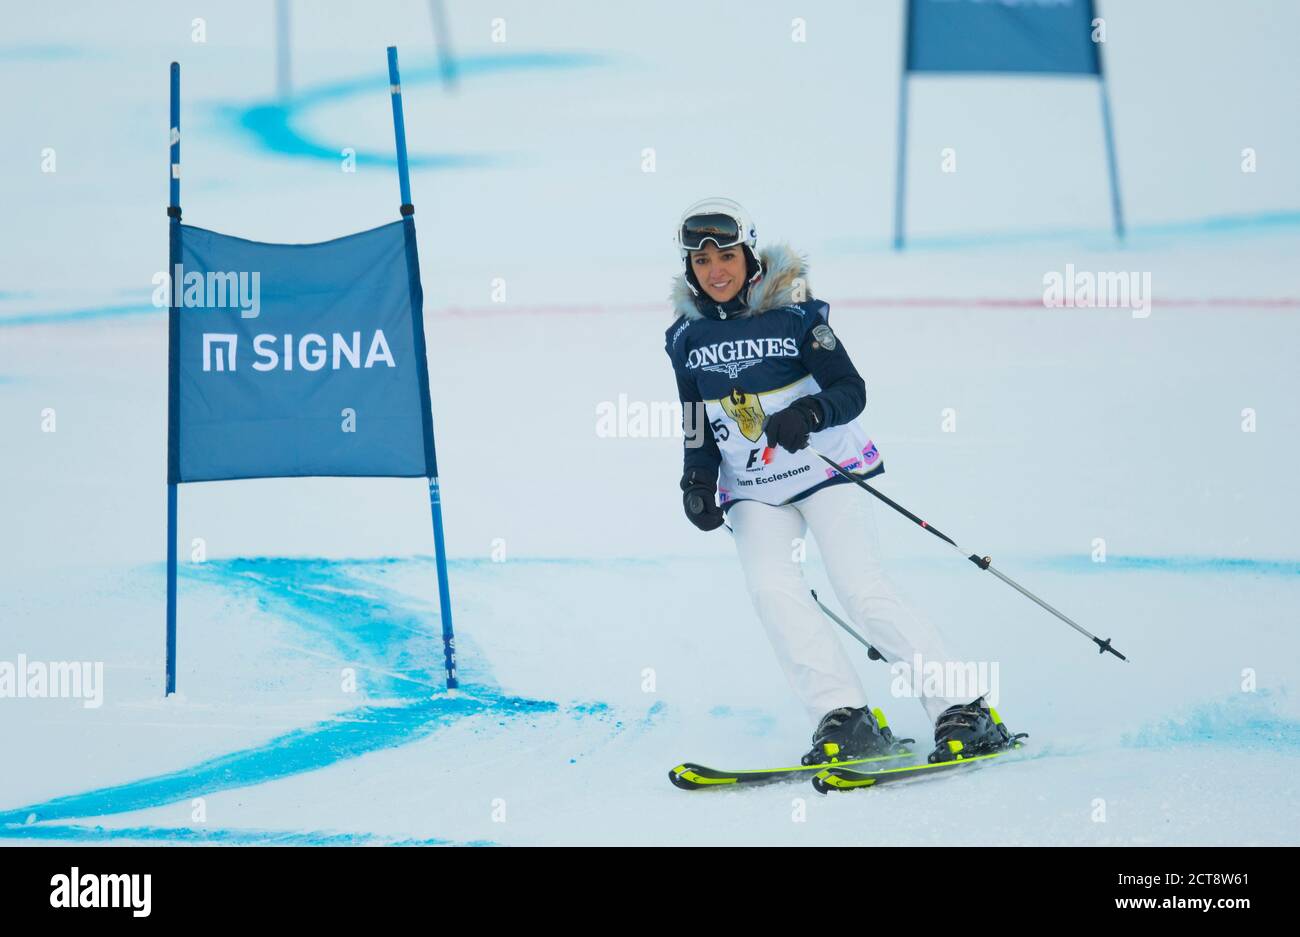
(830,779)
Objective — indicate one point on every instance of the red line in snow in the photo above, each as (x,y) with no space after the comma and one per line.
(558,309)
(882,302)
(1269,302)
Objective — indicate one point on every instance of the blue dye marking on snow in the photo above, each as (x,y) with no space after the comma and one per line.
(1243,565)
(80,315)
(1142,236)
(573,562)
(655,713)
(602,712)
(1248,720)
(216,837)
(368,626)
(754,721)
(45,53)
(273,125)
(354,733)
(341,606)
(599,710)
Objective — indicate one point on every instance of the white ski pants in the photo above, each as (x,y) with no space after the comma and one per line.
(807,643)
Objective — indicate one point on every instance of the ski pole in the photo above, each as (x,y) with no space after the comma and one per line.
(1103,645)
(871,651)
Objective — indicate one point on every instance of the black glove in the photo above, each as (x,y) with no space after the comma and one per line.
(698,498)
(790,428)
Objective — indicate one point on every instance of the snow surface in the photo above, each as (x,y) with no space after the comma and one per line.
(614,641)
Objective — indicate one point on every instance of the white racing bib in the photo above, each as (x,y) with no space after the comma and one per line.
(751,471)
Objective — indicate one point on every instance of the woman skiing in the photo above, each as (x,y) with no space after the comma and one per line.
(754,353)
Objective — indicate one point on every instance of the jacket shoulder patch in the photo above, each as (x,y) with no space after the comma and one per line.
(823,336)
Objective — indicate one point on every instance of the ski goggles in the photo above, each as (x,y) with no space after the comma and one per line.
(722,230)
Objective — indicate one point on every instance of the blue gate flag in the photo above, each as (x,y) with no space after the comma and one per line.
(298,359)
(1002,36)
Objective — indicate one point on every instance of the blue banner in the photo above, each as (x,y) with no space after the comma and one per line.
(1052,36)
(298,359)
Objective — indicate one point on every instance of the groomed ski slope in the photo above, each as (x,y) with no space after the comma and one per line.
(601,639)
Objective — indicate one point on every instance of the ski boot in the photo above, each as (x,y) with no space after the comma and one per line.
(848,734)
(971,729)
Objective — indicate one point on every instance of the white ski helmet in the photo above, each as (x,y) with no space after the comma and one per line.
(722,221)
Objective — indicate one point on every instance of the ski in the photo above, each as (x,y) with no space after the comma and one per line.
(690,776)
(848,778)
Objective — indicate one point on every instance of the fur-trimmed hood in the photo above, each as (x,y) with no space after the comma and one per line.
(783,272)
